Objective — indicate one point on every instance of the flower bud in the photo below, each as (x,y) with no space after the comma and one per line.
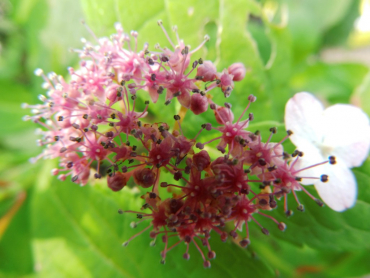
(201,160)
(144,177)
(207,70)
(198,104)
(238,71)
(117,181)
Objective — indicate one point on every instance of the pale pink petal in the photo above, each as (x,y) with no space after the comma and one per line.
(347,134)
(303,116)
(340,192)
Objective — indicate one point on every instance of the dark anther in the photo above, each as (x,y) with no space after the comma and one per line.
(97,176)
(300,207)
(146,102)
(133,97)
(251,117)
(265,231)
(164,184)
(244,242)
(133,154)
(332,160)
(60,118)
(164,59)
(56,138)
(200,61)
(212,106)
(139,216)
(167,102)
(177,176)
(272,168)
(198,77)
(176,117)
(289,132)
(273,130)
(195,63)
(319,202)
(74,178)
(150,61)
(300,154)
(252,98)
(277,181)
(257,132)
(289,213)
(120,211)
(195,90)
(70,164)
(134,148)
(247,171)
(130,161)
(111,124)
(295,153)
(109,134)
(113,116)
(228,105)
(123,82)
(273,204)
(152,195)
(152,77)
(298,178)
(262,162)
(324,178)
(160,90)
(85,116)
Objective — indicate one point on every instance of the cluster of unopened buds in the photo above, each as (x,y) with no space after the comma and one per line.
(92,124)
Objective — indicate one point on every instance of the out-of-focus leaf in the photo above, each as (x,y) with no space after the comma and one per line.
(361,96)
(78,233)
(309,19)
(338,34)
(333,82)
(15,245)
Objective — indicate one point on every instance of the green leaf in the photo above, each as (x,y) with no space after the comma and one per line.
(78,233)
(309,19)
(361,97)
(15,245)
(333,82)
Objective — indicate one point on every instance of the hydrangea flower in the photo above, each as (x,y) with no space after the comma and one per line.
(340,130)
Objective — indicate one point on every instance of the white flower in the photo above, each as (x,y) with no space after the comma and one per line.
(340,130)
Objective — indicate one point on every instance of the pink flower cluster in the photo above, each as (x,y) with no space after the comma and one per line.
(93,120)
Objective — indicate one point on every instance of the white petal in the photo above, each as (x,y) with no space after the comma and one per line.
(340,192)
(303,116)
(346,134)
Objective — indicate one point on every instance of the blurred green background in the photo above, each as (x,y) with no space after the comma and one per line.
(53,229)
